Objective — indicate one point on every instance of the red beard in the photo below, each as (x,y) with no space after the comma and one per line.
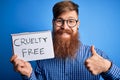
(65,47)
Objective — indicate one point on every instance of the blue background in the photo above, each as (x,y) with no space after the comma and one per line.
(100,26)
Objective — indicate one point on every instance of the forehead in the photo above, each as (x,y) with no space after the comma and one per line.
(68,15)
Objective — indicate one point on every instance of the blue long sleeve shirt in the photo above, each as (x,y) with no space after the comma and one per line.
(72,69)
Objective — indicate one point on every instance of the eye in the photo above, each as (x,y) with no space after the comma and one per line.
(71,21)
(58,20)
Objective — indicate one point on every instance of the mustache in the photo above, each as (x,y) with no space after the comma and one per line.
(64,31)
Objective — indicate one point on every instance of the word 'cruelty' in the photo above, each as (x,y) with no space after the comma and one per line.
(26,41)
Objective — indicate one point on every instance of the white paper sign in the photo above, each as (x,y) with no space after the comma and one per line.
(33,45)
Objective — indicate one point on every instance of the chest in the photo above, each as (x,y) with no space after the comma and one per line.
(70,69)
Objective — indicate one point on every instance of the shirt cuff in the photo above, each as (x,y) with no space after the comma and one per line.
(32,76)
(112,74)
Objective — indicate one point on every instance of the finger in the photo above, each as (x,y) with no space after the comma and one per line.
(22,63)
(93,50)
(95,72)
(18,68)
(19,62)
(13,58)
(27,64)
(87,61)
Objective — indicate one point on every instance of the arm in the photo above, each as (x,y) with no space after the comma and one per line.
(21,66)
(38,74)
(32,77)
(112,74)
(100,64)
(25,69)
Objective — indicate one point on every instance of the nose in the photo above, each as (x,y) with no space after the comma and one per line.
(65,26)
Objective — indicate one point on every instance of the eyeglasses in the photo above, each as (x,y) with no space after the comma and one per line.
(70,22)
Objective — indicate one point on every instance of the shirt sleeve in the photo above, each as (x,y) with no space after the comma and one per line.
(32,77)
(112,74)
(36,74)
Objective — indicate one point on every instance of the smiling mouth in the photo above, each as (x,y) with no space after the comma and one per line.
(65,35)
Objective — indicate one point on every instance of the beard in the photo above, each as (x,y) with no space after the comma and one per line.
(63,47)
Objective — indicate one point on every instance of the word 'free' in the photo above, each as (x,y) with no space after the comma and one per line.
(29,52)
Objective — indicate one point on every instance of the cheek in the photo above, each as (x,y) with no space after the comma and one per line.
(56,28)
(75,30)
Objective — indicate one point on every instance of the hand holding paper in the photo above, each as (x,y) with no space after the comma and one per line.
(21,66)
(28,47)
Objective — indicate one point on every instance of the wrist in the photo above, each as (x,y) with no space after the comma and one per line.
(29,73)
(107,65)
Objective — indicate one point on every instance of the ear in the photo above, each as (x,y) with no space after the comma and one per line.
(53,23)
(78,23)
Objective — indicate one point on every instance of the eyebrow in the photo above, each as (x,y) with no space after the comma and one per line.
(68,18)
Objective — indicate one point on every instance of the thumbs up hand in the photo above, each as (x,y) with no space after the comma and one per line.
(97,64)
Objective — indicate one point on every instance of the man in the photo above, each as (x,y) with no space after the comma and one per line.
(73,60)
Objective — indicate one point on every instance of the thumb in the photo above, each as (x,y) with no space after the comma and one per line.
(93,51)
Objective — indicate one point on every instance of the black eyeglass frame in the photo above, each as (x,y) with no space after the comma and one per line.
(63,21)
